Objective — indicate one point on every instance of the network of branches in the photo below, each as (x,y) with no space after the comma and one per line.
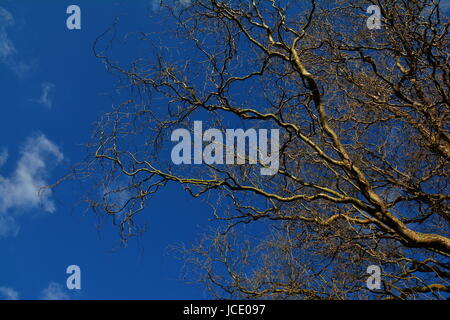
(364,143)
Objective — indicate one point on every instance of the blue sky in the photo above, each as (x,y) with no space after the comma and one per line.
(52,91)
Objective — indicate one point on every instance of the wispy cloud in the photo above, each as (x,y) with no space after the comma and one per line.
(7,293)
(22,189)
(54,291)
(7,48)
(8,52)
(3,156)
(47,95)
(157,4)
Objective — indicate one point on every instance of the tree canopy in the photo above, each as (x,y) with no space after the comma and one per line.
(362,115)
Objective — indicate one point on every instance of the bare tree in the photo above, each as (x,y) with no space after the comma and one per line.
(364,143)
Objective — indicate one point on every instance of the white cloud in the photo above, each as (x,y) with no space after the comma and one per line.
(7,293)
(8,52)
(22,190)
(54,291)
(48,92)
